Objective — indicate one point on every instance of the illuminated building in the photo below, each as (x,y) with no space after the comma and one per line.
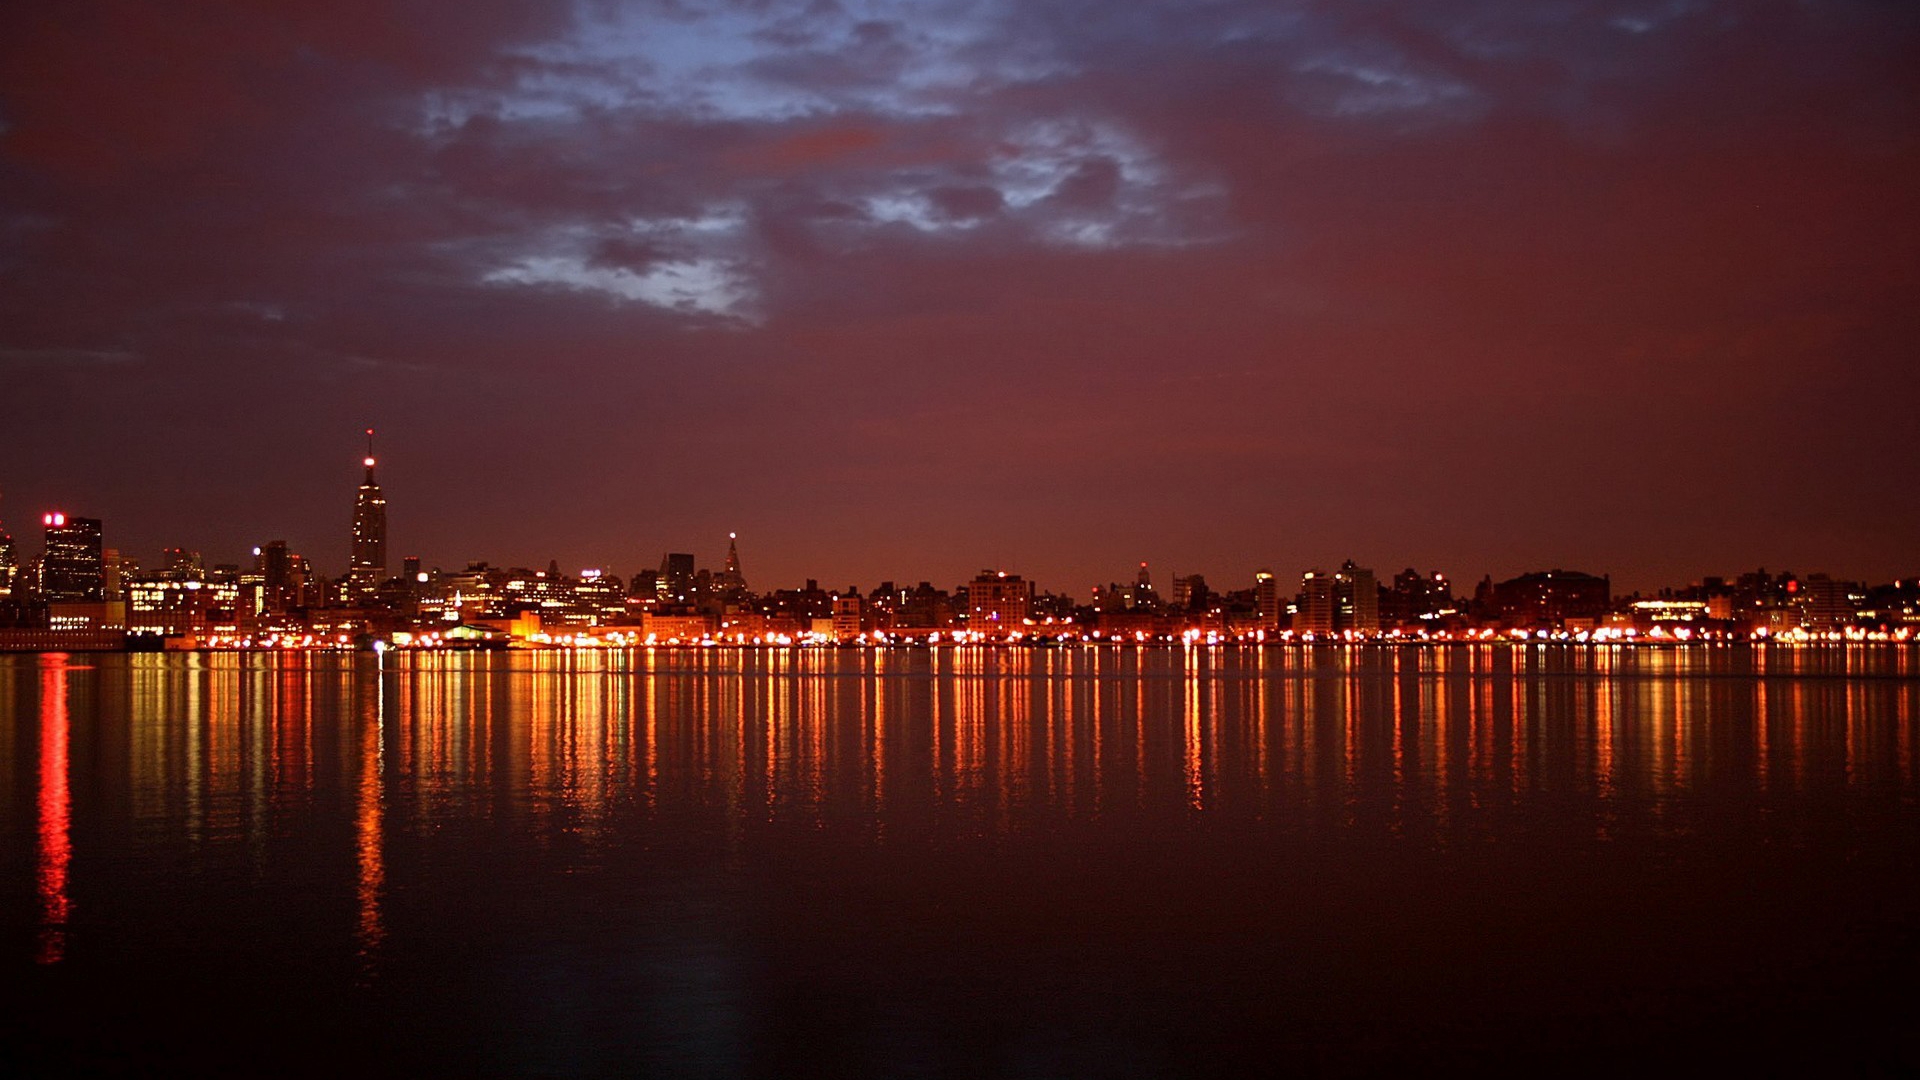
(1143,594)
(9,568)
(848,610)
(1266,600)
(1669,611)
(1416,600)
(367,567)
(731,581)
(1356,598)
(170,607)
(598,599)
(73,565)
(1825,604)
(679,627)
(924,607)
(1315,614)
(999,603)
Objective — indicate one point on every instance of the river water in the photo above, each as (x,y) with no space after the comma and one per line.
(1045,862)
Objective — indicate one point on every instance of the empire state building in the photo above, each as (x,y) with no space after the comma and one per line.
(368,566)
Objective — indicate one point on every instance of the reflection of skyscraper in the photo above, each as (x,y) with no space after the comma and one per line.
(368,566)
(73,566)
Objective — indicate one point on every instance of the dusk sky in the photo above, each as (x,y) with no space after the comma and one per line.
(905,290)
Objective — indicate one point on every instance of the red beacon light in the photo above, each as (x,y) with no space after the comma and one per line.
(55,519)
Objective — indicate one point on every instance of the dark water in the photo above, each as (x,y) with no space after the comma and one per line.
(1045,863)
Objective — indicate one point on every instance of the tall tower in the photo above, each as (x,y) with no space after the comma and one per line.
(368,566)
(731,579)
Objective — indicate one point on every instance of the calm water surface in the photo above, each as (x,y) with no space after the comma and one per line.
(961,863)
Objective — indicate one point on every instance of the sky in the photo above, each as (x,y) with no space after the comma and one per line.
(901,291)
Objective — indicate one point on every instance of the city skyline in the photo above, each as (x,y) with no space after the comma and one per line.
(81,592)
(366,561)
(881,286)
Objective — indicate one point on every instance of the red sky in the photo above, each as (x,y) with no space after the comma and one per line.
(901,291)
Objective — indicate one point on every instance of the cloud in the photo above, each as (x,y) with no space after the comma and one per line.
(695,286)
(1472,225)
(59,356)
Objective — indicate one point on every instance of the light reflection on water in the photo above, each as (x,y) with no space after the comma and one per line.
(154,771)
(981,739)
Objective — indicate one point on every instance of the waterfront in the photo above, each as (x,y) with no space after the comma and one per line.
(1120,861)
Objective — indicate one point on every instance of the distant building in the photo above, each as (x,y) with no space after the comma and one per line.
(73,566)
(282,580)
(848,609)
(1550,599)
(676,578)
(1266,600)
(1190,593)
(1825,604)
(367,567)
(1356,597)
(1346,601)
(1416,599)
(999,603)
(732,582)
(9,564)
(1315,606)
(165,606)
(1144,595)
(181,564)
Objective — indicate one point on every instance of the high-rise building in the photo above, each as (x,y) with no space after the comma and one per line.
(1356,595)
(848,611)
(368,566)
(1825,603)
(676,577)
(732,581)
(9,565)
(999,603)
(73,566)
(1316,606)
(1190,592)
(1143,594)
(1266,599)
(180,564)
(283,578)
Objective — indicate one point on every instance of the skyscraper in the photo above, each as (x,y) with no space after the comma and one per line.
(1266,599)
(1315,614)
(732,581)
(368,566)
(1356,596)
(7,563)
(72,567)
(676,577)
